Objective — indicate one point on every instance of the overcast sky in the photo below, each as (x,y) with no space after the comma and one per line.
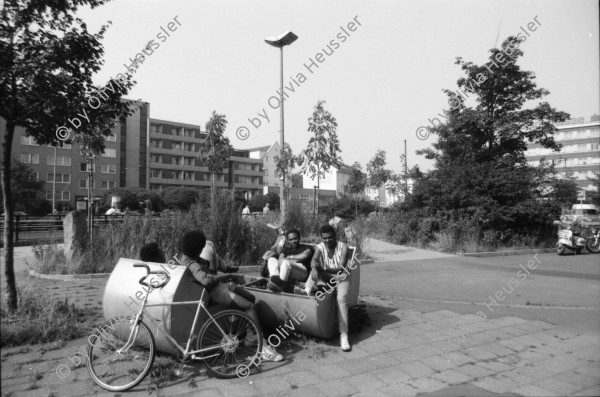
(382,81)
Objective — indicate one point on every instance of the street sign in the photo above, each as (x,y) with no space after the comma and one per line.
(581,195)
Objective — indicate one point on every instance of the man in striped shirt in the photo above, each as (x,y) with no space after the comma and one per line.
(328,264)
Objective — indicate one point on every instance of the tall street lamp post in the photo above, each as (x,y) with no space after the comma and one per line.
(280,41)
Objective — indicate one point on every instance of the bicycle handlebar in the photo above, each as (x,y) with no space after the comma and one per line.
(148,272)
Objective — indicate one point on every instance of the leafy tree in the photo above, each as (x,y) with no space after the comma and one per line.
(378,175)
(284,165)
(257,202)
(480,168)
(297,180)
(47,60)
(348,207)
(356,184)
(563,190)
(25,187)
(323,147)
(180,198)
(214,151)
(132,197)
(594,196)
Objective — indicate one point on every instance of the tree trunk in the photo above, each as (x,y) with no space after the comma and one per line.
(318,191)
(9,248)
(212,190)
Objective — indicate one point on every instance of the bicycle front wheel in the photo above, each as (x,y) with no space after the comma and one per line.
(232,341)
(114,370)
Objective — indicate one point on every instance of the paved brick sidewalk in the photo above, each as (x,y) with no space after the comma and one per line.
(403,353)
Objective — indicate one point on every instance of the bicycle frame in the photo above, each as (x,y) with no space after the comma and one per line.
(185,352)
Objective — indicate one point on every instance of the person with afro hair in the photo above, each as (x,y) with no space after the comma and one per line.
(191,245)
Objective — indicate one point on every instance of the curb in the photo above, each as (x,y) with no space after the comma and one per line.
(95,276)
(507,253)
(68,277)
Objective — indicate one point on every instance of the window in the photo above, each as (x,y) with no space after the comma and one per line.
(30,158)
(107,185)
(111,138)
(177,146)
(60,160)
(83,184)
(188,176)
(110,153)
(156,128)
(177,131)
(189,133)
(188,161)
(156,143)
(594,146)
(85,167)
(60,178)
(109,169)
(155,173)
(156,158)
(28,140)
(61,196)
(176,161)
(177,175)
(188,147)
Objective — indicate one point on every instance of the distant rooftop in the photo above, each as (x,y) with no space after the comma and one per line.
(579,120)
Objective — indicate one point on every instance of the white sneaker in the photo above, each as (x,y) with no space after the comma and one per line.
(270,354)
(344,342)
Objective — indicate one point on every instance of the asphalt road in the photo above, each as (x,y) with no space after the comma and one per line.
(563,290)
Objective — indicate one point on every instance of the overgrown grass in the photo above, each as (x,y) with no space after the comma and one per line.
(40,319)
(417,229)
(236,240)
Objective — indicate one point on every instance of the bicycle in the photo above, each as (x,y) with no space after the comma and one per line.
(121,352)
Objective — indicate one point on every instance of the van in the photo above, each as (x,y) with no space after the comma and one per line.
(585,209)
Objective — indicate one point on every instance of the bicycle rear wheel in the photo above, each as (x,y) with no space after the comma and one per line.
(238,345)
(120,371)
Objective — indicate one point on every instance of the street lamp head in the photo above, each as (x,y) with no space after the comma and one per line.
(286,38)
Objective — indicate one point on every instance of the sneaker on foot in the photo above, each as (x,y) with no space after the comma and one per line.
(344,342)
(270,354)
(300,291)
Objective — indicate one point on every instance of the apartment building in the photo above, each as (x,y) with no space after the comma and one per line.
(387,194)
(173,161)
(141,153)
(335,180)
(268,155)
(66,171)
(580,154)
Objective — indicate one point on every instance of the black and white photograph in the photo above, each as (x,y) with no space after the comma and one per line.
(299,198)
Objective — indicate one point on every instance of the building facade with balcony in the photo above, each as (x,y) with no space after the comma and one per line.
(173,161)
(123,162)
(141,153)
(580,153)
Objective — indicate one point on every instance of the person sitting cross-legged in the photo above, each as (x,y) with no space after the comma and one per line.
(293,263)
(192,244)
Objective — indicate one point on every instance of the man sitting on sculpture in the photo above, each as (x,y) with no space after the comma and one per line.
(293,264)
